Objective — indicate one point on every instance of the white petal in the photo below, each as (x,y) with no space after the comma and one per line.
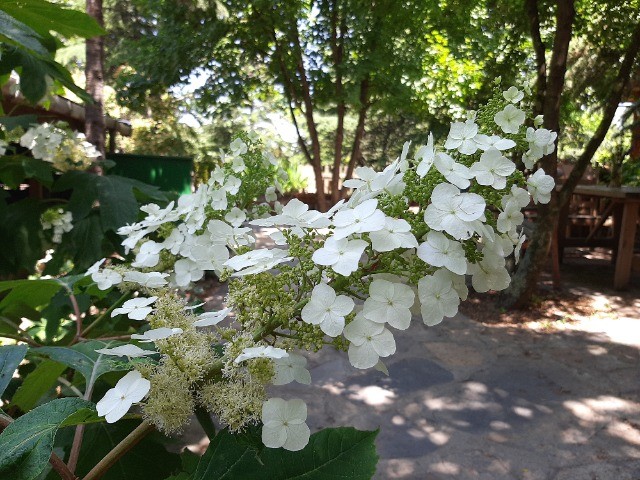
(274,437)
(363,356)
(297,437)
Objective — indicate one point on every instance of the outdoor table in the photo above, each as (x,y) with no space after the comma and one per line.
(628,200)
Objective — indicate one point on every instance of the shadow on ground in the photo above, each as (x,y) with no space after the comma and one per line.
(473,400)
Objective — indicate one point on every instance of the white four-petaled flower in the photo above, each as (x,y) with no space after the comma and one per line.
(207,319)
(340,254)
(327,309)
(290,369)
(389,302)
(156,334)
(453,211)
(395,234)
(117,401)
(128,350)
(440,251)
(136,308)
(462,137)
(509,119)
(369,341)
(365,217)
(438,298)
(493,169)
(540,186)
(284,424)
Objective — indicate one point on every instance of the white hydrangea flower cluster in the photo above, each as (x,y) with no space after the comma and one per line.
(59,221)
(65,149)
(423,227)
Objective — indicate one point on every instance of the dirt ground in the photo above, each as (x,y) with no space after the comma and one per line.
(586,294)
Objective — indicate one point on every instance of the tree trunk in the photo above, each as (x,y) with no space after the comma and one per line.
(540,54)
(615,97)
(94,74)
(525,280)
(527,275)
(337,51)
(359,133)
(311,125)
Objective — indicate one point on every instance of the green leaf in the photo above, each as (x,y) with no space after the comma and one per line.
(10,358)
(18,121)
(15,169)
(148,460)
(27,293)
(118,204)
(43,16)
(19,34)
(86,242)
(332,453)
(20,231)
(26,444)
(36,384)
(84,358)
(189,461)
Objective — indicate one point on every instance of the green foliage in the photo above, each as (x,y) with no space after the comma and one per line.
(332,453)
(100,204)
(37,384)
(26,444)
(26,296)
(10,358)
(45,17)
(148,460)
(28,47)
(83,358)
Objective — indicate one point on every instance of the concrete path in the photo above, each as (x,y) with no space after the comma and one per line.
(465,400)
(469,401)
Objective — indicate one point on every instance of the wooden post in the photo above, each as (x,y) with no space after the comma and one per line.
(624,259)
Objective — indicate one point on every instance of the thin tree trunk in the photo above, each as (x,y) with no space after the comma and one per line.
(615,97)
(311,125)
(540,54)
(525,280)
(94,74)
(337,51)
(359,133)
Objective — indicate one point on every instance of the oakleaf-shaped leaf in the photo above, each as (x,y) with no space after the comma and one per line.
(332,453)
(118,204)
(10,358)
(26,444)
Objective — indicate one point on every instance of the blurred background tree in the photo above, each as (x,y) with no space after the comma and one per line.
(352,80)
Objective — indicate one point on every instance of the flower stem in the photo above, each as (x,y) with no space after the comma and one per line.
(119,450)
(106,314)
(78,315)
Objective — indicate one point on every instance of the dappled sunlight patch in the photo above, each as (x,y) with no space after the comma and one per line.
(600,409)
(627,431)
(446,468)
(398,468)
(523,412)
(372,395)
(574,436)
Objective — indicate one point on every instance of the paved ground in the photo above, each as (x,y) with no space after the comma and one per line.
(466,400)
